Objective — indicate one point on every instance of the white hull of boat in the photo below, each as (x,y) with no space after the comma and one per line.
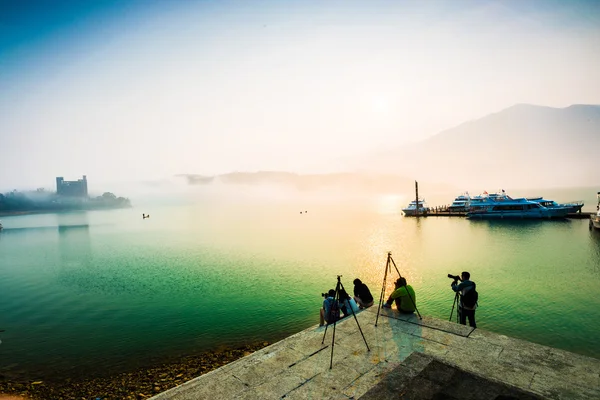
(411,212)
(595,222)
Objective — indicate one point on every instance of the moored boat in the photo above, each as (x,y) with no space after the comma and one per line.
(574,206)
(413,209)
(461,203)
(595,218)
(505,207)
(500,196)
(595,221)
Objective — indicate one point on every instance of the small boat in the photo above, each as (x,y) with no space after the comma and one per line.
(414,209)
(461,203)
(573,206)
(595,218)
(595,221)
(505,207)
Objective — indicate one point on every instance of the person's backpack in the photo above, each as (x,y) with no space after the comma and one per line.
(469,299)
(334,312)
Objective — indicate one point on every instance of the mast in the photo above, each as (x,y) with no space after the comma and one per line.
(417,199)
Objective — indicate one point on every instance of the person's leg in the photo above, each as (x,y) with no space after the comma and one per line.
(345,311)
(358,301)
(322,319)
(471,315)
(462,316)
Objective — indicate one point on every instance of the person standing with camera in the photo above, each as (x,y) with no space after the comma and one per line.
(468,298)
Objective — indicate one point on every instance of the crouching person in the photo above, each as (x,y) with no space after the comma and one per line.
(362,294)
(347,304)
(330,312)
(404,296)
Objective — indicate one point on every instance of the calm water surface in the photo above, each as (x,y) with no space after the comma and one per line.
(90,291)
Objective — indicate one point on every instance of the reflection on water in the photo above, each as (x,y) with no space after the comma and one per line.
(26,229)
(594,245)
(74,245)
(63,230)
(72,222)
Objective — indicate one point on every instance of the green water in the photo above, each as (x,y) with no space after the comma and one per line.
(86,292)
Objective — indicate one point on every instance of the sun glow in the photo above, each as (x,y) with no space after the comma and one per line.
(380,104)
(389,204)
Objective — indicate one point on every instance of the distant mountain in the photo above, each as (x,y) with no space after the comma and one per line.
(521,146)
(347,182)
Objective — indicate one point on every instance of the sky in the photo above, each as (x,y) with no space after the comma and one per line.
(143,90)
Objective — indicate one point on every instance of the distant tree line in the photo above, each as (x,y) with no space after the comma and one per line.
(40,200)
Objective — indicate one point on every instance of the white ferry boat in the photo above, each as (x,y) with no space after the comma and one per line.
(414,209)
(461,203)
(595,218)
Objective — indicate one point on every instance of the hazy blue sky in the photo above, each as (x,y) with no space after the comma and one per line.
(124,90)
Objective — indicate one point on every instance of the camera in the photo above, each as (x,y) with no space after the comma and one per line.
(455,277)
(323,294)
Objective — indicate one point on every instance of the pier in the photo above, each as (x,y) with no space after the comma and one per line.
(408,358)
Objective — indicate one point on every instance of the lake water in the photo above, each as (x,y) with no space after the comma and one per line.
(86,292)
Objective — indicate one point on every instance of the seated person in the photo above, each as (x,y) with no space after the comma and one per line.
(362,294)
(347,304)
(330,312)
(404,296)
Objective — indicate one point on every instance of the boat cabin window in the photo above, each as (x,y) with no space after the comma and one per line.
(509,207)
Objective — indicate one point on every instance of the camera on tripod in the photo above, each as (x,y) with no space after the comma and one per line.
(455,277)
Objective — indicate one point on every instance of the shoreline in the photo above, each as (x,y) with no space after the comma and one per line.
(140,383)
(55,211)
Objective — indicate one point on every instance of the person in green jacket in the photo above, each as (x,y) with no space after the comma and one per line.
(404,296)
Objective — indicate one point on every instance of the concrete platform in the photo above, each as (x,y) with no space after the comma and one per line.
(408,358)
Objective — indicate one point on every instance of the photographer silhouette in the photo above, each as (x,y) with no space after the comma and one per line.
(466,297)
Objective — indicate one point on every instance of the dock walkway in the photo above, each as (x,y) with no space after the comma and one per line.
(408,358)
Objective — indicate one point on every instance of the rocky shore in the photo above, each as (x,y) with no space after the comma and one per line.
(139,384)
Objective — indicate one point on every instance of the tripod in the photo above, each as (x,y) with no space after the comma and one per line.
(339,287)
(456,303)
(388,266)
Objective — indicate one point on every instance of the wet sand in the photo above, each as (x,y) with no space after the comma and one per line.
(138,384)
